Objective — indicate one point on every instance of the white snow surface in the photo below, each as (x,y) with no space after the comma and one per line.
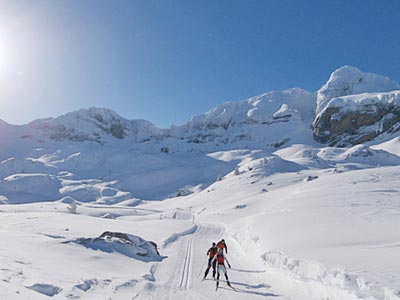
(391,146)
(365,101)
(301,220)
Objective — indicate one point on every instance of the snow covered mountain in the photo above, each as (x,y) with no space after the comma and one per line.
(93,124)
(233,124)
(302,185)
(352,108)
(349,80)
(268,120)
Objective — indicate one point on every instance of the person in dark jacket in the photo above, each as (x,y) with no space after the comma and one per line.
(222,245)
(211,253)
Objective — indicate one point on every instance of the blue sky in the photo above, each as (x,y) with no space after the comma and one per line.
(165,61)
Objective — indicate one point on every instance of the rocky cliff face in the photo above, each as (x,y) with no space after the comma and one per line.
(352,108)
(357,119)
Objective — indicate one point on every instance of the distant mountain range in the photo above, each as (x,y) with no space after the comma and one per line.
(350,108)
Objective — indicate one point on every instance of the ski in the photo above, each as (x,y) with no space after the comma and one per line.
(229,284)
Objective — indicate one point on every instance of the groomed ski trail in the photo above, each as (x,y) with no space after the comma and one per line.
(180,275)
(187,266)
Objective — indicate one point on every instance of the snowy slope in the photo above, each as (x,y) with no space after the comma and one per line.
(288,237)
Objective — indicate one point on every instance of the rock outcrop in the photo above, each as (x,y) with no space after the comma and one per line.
(349,80)
(127,244)
(356,119)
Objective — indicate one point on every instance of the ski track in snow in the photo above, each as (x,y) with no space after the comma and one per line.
(177,282)
(186,271)
(189,262)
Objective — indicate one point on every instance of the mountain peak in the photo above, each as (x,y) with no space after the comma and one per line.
(346,70)
(93,124)
(349,80)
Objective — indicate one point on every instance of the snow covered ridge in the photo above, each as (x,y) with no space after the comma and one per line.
(355,119)
(233,124)
(259,109)
(268,120)
(271,120)
(94,124)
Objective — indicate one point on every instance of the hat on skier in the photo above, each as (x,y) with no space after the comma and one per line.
(213,244)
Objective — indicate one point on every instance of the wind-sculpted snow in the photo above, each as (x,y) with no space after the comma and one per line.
(312,271)
(357,157)
(26,188)
(391,146)
(268,166)
(93,191)
(14,165)
(174,237)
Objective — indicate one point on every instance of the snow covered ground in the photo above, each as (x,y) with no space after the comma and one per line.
(293,231)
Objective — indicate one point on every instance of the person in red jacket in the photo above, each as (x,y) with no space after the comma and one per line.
(211,253)
(222,245)
(220,259)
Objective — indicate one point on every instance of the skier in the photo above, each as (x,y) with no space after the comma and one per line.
(222,245)
(211,253)
(220,259)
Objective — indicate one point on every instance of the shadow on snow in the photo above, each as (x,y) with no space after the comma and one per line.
(248,288)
